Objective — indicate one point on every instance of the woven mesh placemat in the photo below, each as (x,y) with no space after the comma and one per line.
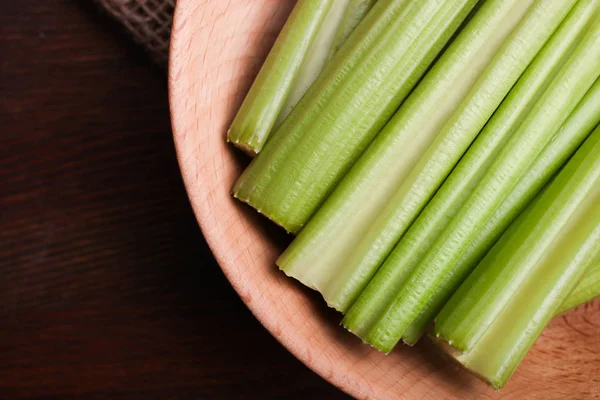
(148,21)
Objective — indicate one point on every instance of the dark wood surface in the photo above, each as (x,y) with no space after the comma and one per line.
(107,288)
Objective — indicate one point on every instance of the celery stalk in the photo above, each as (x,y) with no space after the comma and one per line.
(355,12)
(275,80)
(439,265)
(342,19)
(413,246)
(580,123)
(490,323)
(585,117)
(348,104)
(350,236)
(587,289)
(316,56)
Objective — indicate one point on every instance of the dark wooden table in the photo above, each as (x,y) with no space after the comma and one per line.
(107,288)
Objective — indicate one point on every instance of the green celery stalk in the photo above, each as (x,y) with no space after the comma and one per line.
(490,323)
(573,132)
(587,289)
(350,236)
(413,246)
(585,117)
(317,55)
(355,12)
(439,267)
(348,104)
(275,80)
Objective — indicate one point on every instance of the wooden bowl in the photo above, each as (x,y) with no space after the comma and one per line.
(217,49)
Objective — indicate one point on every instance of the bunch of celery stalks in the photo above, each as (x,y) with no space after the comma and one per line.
(439,162)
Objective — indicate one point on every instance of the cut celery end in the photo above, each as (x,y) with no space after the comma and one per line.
(397,268)
(360,89)
(443,293)
(498,352)
(500,310)
(331,252)
(363,204)
(275,80)
(558,101)
(580,123)
(587,289)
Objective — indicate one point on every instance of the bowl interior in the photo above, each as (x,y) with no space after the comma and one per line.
(217,49)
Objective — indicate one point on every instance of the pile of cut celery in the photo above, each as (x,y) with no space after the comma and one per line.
(439,164)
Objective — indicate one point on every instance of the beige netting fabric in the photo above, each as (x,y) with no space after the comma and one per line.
(148,21)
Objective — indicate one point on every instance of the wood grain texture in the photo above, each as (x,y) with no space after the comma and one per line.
(108,289)
(217,49)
